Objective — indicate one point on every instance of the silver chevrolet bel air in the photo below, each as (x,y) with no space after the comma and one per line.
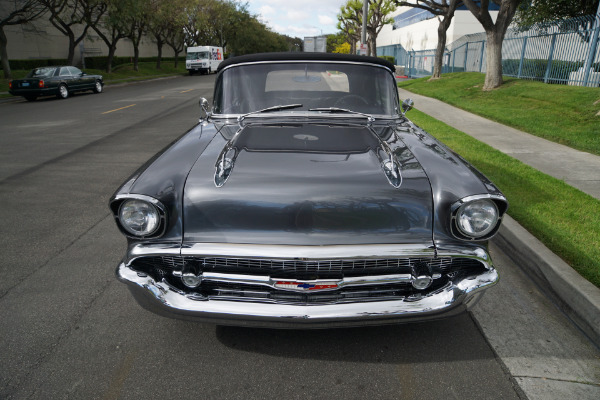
(304,198)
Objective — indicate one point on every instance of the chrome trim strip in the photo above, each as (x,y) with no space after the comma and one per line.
(143,197)
(306,252)
(305,62)
(474,197)
(305,114)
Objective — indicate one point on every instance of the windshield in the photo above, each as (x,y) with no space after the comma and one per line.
(41,72)
(363,88)
(202,55)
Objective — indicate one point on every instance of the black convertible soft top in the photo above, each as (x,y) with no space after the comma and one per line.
(300,56)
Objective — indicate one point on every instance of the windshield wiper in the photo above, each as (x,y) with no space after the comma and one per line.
(269,109)
(370,118)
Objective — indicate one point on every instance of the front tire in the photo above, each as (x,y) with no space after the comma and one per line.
(63,91)
(30,98)
(97,87)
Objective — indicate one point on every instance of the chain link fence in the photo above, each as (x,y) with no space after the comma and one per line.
(567,52)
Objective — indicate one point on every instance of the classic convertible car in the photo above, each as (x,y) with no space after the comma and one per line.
(305,198)
(59,81)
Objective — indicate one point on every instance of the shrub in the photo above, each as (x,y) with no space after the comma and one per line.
(35,63)
(391,59)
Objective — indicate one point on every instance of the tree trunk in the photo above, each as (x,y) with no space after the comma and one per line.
(495,36)
(159,45)
(136,56)
(176,57)
(71,48)
(4,54)
(109,58)
(493,59)
(441,46)
(373,43)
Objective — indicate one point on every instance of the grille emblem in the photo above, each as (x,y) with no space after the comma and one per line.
(306,286)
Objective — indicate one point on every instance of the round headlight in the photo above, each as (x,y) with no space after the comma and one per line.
(139,217)
(477,218)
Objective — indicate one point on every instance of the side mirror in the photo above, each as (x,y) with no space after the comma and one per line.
(204,113)
(407,105)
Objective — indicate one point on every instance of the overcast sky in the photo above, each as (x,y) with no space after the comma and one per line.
(298,18)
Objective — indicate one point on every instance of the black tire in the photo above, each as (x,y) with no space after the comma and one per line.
(191,71)
(97,87)
(30,98)
(63,91)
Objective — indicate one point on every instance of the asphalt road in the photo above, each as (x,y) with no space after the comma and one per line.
(69,329)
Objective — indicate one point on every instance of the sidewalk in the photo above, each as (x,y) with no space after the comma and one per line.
(554,366)
(577,168)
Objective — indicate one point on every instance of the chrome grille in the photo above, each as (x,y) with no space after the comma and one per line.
(307,268)
(163,268)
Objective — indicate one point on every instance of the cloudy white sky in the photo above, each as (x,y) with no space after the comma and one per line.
(298,18)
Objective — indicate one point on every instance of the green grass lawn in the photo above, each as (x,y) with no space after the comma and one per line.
(560,113)
(121,73)
(565,219)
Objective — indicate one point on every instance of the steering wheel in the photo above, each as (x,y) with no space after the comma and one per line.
(350,100)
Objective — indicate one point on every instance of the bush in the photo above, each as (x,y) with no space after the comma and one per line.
(35,63)
(536,69)
(99,62)
(391,59)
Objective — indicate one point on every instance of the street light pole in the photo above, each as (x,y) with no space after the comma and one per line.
(365,14)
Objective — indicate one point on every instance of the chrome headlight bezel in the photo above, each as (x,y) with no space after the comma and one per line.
(492,207)
(154,208)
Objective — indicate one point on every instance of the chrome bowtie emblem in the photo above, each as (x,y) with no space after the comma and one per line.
(306,286)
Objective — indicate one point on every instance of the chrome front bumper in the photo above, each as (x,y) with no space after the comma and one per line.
(165,300)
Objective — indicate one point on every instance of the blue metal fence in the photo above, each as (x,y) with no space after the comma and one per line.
(566,52)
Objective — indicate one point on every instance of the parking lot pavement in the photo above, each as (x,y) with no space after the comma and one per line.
(70,330)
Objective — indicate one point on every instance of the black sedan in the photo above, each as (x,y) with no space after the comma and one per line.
(306,198)
(60,81)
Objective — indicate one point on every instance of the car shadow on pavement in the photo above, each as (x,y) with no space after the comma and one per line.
(451,339)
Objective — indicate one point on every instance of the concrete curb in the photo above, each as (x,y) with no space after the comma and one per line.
(575,296)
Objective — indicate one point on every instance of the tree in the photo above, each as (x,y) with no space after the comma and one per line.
(111,27)
(549,11)
(19,12)
(335,40)
(350,22)
(351,16)
(377,19)
(444,10)
(175,17)
(136,16)
(293,43)
(65,15)
(495,35)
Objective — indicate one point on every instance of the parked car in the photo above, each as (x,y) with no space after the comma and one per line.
(60,81)
(306,198)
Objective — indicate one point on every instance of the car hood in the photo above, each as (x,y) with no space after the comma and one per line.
(306,184)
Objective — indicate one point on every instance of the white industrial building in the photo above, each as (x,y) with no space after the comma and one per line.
(416,29)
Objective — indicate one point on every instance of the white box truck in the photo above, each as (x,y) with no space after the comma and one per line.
(205,59)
